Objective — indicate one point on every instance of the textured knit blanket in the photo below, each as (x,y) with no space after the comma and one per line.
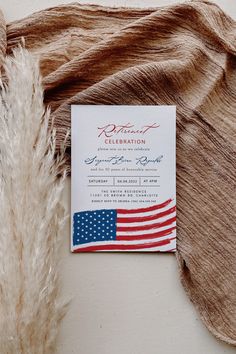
(183,55)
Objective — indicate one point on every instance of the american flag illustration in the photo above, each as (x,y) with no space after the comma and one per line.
(151,229)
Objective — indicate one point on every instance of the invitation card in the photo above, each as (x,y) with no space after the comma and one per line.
(123,195)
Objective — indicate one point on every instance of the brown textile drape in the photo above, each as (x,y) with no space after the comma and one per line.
(185,55)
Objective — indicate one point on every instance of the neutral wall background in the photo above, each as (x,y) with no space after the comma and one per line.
(14,9)
(125,303)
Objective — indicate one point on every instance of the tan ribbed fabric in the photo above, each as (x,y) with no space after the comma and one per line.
(183,55)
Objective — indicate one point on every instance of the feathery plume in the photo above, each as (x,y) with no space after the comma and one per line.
(31,215)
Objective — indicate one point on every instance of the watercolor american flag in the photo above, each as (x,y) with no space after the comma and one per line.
(149,229)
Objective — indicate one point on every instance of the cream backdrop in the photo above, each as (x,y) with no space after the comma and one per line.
(125,303)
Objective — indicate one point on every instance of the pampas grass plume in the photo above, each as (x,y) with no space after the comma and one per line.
(31,215)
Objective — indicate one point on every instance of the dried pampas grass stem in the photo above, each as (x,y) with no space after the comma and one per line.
(31,216)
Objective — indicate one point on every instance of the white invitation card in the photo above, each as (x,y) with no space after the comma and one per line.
(123,195)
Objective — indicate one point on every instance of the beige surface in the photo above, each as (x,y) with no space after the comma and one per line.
(14,9)
(122,303)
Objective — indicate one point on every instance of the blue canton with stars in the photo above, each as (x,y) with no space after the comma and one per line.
(95,225)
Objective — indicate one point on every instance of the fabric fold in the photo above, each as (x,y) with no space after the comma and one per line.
(3,39)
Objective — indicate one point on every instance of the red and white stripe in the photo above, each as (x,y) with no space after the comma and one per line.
(151,229)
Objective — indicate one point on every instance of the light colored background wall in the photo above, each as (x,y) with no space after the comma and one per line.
(125,303)
(15,9)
